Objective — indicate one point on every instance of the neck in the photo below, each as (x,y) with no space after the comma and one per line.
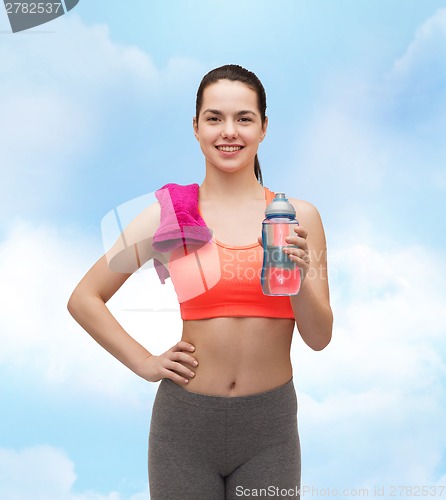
(220,185)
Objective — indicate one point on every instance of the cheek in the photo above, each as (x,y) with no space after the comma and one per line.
(209,139)
(253,136)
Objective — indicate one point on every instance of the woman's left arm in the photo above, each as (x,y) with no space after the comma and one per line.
(311,306)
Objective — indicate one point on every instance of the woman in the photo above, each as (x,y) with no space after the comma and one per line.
(224,421)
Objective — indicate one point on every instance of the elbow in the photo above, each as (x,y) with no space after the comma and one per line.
(74,304)
(80,302)
(322,337)
(327,333)
(322,342)
(71,304)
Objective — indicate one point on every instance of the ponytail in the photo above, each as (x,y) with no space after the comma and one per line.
(257,170)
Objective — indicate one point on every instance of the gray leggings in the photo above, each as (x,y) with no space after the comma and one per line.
(205,447)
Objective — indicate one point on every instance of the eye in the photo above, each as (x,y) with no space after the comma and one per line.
(245,119)
(212,119)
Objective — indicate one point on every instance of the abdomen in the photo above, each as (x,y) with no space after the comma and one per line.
(239,355)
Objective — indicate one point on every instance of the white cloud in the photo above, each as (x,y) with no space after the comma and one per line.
(414,90)
(340,149)
(59,94)
(426,51)
(375,393)
(44,473)
(372,403)
(40,267)
(379,134)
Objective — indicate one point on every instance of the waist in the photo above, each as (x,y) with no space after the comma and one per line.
(269,397)
(239,356)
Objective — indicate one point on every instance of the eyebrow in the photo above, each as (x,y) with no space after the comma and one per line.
(239,113)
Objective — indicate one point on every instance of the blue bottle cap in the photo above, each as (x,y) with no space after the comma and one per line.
(280,206)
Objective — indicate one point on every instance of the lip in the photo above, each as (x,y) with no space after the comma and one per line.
(229,153)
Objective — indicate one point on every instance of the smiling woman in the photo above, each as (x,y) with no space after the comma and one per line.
(231,131)
(243,85)
(225,413)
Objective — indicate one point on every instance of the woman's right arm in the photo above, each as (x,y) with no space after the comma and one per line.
(87,304)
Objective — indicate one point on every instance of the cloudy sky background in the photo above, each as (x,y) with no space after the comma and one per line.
(96,110)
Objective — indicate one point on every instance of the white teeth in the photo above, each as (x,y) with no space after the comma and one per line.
(229,149)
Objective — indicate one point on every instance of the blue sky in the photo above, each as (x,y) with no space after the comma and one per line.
(96,110)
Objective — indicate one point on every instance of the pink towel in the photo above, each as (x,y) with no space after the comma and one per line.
(180,222)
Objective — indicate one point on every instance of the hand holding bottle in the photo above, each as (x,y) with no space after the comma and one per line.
(286,256)
(299,252)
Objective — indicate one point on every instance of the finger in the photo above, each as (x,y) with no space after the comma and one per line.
(300,257)
(297,241)
(186,358)
(180,369)
(175,377)
(176,356)
(175,371)
(182,346)
(297,253)
(301,231)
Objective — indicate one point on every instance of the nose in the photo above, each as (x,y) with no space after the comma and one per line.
(229,129)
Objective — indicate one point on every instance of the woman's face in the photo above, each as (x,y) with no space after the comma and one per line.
(229,127)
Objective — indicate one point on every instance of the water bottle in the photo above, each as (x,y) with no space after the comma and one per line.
(280,275)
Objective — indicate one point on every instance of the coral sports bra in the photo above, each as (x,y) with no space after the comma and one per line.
(219,280)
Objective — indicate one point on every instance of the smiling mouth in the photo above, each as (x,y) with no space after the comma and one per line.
(229,149)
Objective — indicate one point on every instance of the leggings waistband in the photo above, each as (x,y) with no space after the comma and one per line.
(272,396)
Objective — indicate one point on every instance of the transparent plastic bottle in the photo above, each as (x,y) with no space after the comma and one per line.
(280,275)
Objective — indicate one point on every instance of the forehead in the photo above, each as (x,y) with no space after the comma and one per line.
(226,94)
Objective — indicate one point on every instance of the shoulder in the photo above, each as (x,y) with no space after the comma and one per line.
(308,216)
(305,211)
(152,213)
(133,246)
(146,222)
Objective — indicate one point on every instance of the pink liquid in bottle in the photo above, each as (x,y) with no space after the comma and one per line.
(284,281)
(280,275)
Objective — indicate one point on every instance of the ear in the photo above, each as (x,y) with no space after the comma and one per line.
(195,126)
(265,126)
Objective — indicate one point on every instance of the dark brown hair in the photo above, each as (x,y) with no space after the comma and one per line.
(235,73)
